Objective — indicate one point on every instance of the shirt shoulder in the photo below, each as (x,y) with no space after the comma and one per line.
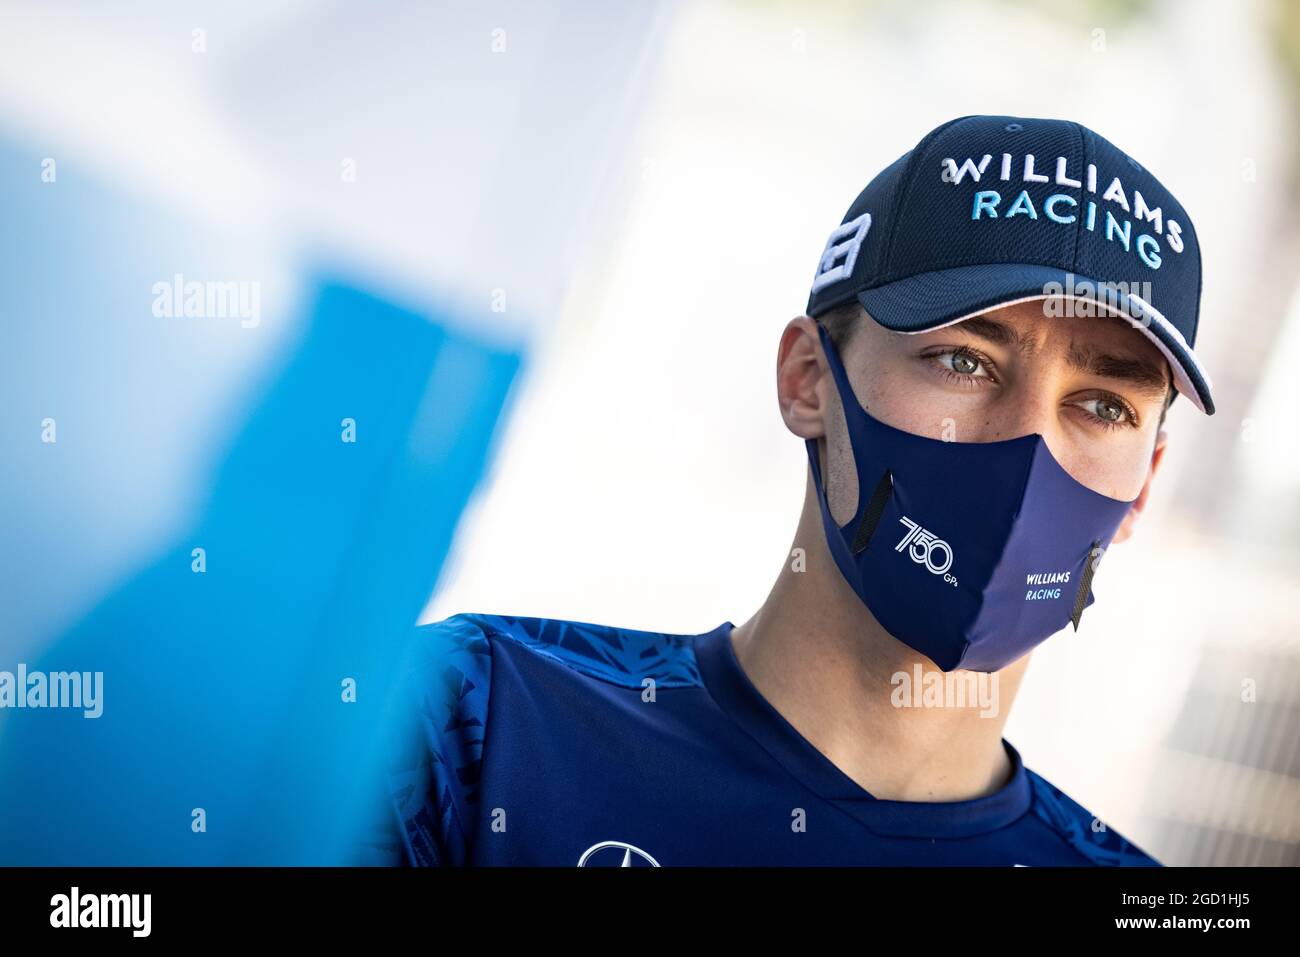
(625,657)
(1083,832)
(434,788)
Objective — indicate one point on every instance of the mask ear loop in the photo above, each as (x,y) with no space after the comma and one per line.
(855,415)
(869,510)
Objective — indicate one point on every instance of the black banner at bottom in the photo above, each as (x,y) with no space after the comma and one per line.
(656,907)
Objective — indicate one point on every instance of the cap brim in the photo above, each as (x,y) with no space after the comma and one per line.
(933,300)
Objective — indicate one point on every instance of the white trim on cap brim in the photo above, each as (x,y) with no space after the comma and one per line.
(1182,382)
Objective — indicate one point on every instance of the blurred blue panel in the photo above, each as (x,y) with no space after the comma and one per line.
(223,689)
(144,405)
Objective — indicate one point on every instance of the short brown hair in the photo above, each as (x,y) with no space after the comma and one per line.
(841,321)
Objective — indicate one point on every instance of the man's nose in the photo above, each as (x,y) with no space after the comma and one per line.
(1031,411)
(1017,412)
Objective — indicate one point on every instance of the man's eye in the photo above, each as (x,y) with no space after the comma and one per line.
(962,363)
(1107,410)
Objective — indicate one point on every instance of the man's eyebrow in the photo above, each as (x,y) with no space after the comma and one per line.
(1147,377)
(999,333)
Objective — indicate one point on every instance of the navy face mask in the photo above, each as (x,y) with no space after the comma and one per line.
(971,553)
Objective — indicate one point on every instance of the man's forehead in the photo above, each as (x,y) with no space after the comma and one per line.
(1032,324)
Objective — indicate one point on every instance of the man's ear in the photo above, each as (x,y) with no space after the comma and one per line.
(1130,519)
(801,379)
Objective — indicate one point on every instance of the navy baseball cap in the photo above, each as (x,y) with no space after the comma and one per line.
(987,211)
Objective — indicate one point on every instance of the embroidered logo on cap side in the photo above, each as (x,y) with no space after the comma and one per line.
(841,251)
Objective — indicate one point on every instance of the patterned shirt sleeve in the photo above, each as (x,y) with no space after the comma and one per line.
(434,787)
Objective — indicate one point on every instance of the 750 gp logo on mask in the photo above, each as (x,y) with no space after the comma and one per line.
(923,545)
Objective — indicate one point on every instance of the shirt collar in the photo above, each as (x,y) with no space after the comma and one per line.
(736,695)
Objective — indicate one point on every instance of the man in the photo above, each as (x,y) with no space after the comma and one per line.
(993,336)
